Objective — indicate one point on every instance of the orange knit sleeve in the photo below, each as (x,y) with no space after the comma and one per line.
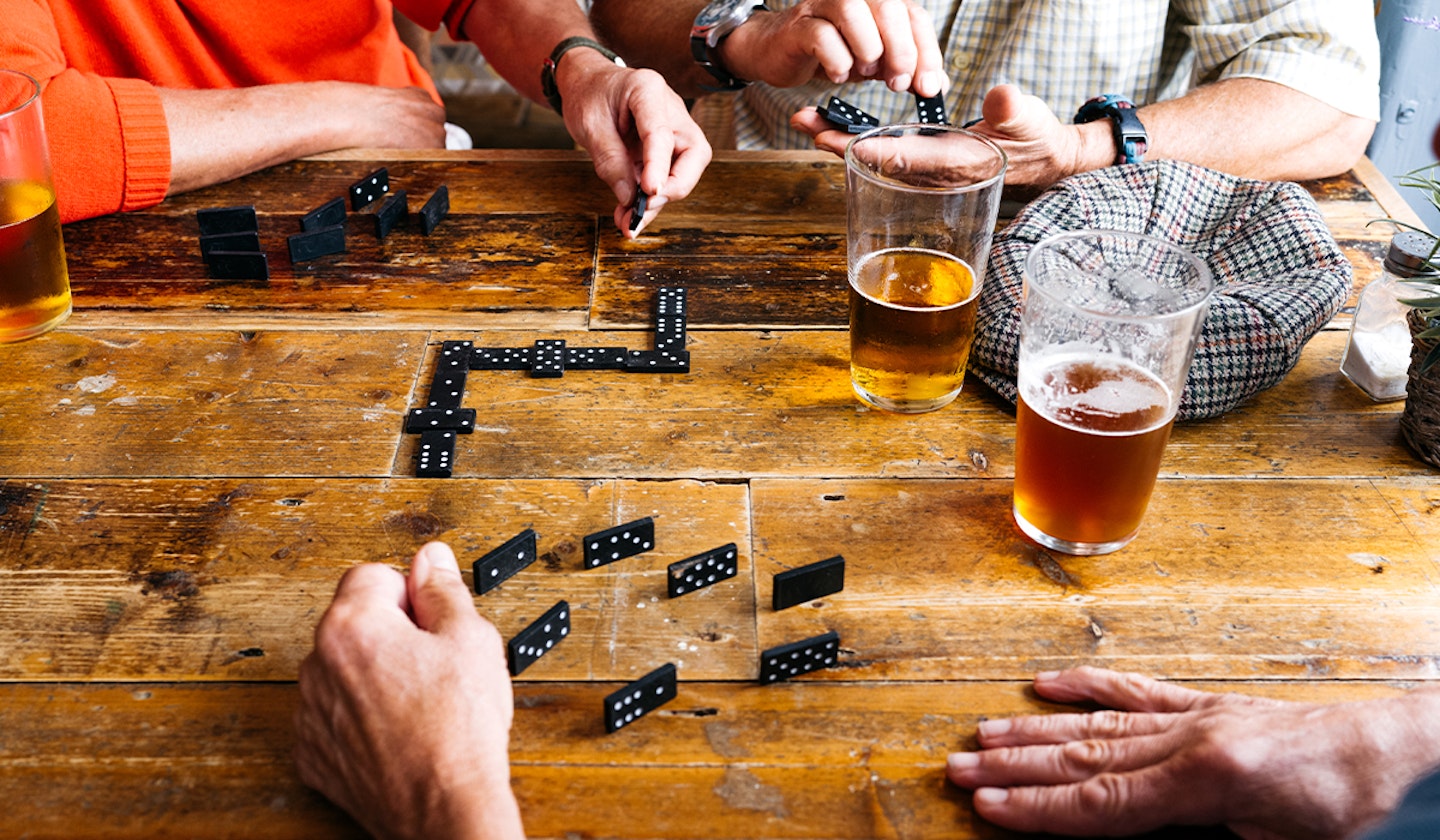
(109,145)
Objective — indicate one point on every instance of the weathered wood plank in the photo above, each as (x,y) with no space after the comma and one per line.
(1332,578)
(755,404)
(769,232)
(206,403)
(721,761)
(780,403)
(778,276)
(225,579)
(474,267)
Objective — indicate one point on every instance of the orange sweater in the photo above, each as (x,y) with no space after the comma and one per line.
(99,62)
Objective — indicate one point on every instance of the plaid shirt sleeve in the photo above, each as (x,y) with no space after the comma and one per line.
(1066,53)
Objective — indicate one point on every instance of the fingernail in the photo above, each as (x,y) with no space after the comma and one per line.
(900,83)
(934,82)
(963,761)
(1046,675)
(869,69)
(991,728)
(991,796)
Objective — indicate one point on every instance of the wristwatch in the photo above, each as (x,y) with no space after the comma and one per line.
(714,22)
(1131,140)
(548,85)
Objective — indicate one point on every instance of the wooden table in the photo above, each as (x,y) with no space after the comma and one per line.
(190,465)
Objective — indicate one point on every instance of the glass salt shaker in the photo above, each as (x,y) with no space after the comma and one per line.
(1377,359)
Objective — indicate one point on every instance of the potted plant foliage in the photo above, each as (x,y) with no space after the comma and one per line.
(1420,422)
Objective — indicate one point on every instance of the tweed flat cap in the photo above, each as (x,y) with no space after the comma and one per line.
(1279,276)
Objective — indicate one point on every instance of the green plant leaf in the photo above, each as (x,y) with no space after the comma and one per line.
(1422,303)
(1433,332)
(1430,358)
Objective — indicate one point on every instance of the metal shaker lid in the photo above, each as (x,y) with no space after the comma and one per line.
(1409,253)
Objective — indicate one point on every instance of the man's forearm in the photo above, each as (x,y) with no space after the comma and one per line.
(518,48)
(219,135)
(654,35)
(1257,129)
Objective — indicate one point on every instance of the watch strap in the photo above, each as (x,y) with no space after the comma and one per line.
(1131,139)
(705,49)
(548,85)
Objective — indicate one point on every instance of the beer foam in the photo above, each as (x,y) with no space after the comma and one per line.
(1069,388)
(1114,398)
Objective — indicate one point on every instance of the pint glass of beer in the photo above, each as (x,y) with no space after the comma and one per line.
(1107,332)
(921,203)
(34,285)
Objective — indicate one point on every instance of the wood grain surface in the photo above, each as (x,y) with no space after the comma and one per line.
(188,466)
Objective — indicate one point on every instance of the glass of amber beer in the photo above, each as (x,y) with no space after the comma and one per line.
(921,202)
(34,285)
(1107,332)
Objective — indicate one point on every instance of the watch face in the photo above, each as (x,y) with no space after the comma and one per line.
(723,11)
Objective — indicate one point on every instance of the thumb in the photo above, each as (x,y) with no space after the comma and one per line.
(439,598)
(1015,115)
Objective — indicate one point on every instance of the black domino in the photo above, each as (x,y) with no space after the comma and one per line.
(646,694)
(437,455)
(317,243)
(702,570)
(547,359)
(658,361)
(505,562)
(460,420)
(539,638)
(595,358)
(670,319)
(244,241)
(329,214)
(931,109)
(447,389)
(637,212)
(215,220)
(435,209)
(500,358)
(796,586)
(391,214)
(238,265)
(802,657)
(845,115)
(369,188)
(617,543)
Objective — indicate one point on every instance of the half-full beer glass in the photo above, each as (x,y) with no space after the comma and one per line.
(34,285)
(921,204)
(1107,332)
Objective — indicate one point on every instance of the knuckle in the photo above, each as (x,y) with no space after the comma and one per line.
(1089,756)
(893,9)
(1102,798)
(1222,744)
(341,632)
